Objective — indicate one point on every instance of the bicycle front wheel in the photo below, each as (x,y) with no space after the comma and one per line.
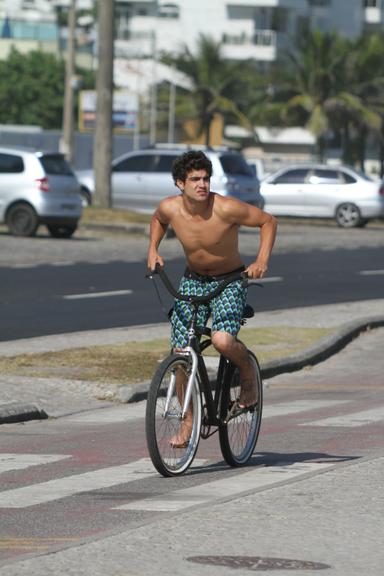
(172,442)
(238,433)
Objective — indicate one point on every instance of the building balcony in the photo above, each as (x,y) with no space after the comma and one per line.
(260,45)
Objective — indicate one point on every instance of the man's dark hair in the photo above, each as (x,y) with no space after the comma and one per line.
(191,160)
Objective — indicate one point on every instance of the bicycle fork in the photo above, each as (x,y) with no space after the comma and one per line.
(188,351)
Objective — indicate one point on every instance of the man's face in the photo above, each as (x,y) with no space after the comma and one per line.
(196,186)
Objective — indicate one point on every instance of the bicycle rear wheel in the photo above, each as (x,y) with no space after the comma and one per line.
(238,436)
(163,417)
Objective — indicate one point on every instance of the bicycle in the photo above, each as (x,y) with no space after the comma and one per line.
(167,404)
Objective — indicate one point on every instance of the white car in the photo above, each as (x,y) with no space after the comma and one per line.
(38,188)
(321,191)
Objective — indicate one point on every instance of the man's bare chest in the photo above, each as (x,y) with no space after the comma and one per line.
(203,234)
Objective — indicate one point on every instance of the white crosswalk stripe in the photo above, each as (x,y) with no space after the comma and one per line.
(285,408)
(70,485)
(351,420)
(225,488)
(137,410)
(10,462)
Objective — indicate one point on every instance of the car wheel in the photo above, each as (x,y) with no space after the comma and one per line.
(86,197)
(22,220)
(61,231)
(348,216)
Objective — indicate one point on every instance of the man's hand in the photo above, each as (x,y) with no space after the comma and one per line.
(153,259)
(257,269)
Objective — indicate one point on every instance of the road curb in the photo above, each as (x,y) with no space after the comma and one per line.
(15,412)
(326,347)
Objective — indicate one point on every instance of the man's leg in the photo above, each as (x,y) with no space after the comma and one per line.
(181,438)
(236,352)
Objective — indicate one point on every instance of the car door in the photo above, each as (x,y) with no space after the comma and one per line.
(129,185)
(12,180)
(325,187)
(284,193)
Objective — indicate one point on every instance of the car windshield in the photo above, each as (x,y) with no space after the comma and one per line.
(235,164)
(56,165)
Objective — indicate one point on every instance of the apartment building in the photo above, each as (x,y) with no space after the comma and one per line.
(256,29)
(34,24)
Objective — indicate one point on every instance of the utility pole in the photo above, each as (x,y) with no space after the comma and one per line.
(102,149)
(67,141)
(153,110)
(171,111)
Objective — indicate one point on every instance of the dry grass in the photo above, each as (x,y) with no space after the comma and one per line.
(113,216)
(134,362)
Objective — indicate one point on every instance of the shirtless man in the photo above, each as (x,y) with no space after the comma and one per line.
(207,226)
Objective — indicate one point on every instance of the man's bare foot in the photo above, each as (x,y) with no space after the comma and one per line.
(248,394)
(182,438)
(248,388)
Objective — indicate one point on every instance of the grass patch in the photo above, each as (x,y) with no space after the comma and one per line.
(134,362)
(92,214)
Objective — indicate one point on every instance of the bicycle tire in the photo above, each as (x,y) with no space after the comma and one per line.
(239,435)
(161,428)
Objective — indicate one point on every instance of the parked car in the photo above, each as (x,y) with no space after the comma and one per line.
(321,191)
(38,188)
(142,178)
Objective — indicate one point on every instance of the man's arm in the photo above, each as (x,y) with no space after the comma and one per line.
(244,214)
(158,228)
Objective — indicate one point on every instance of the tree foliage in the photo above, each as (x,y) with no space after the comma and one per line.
(32,89)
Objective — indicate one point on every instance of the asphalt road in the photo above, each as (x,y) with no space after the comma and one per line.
(51,287)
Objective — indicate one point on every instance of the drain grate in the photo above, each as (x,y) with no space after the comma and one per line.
(257,563)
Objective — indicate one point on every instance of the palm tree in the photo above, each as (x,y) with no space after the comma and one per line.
(364,106)
(330,85)
(311,81)
(215,82)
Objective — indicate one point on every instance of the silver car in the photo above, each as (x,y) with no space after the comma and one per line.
(38,188)
(321,191)
(142,178)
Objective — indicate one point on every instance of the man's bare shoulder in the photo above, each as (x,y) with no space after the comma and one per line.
(168,207)
(226,206)
(238,212)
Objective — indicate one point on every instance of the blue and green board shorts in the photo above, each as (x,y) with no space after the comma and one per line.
(226,309)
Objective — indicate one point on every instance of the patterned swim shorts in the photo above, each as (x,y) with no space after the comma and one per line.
(226,309)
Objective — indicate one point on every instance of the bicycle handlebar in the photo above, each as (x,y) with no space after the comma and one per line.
(198,299)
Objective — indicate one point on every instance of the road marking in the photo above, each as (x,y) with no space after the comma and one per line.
(97,294)
(124,413)
(351,420)
(10,462)
(225,488)
(70,485)
(371,272)
(285,408)
(136,410)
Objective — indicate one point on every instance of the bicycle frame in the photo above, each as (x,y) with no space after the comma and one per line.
(194,350)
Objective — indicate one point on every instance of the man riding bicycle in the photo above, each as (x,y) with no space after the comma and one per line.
(207,224)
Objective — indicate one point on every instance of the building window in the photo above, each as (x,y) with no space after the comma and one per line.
(372,4)
(169,11)
(319,2)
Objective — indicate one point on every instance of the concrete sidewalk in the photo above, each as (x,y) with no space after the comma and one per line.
(23,398)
